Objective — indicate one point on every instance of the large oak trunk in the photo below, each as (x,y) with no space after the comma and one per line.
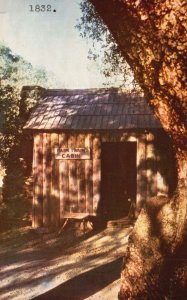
(152,38)
(155,263)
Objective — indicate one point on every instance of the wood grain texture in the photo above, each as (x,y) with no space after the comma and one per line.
(81,180)
(92,111)
(141,171)
(55,203)
(73,195)
(47,177)
(63,177)
(151,166)
(96,172)
(89,177)
(38,182)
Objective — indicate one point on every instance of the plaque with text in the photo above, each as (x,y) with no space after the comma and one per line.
(72,153)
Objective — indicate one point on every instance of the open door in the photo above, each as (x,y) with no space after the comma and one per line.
(118,184)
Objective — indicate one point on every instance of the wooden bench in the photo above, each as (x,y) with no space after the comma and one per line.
(79,216)
(76,216)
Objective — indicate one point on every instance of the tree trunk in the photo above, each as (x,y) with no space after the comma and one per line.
(155,263)
(152,37)
(155,53)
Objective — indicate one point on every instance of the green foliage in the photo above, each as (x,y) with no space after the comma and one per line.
(17,193)
(104,48)
(15,73)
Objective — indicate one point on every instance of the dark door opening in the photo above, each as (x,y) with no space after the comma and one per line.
(118,183)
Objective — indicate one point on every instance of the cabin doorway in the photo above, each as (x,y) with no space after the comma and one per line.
(119,176)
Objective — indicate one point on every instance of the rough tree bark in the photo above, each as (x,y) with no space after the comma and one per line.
(152,36)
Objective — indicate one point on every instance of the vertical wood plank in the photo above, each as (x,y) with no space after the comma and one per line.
(141,171)
(162,188)
(96,172)
(63,177)
(73,196)
(38,182)
(47,175)
(117,136)
(123,137)
(34,180)
(89,177)
(151,167)
(162,156)
(105,137)
(55,202)
(81,184)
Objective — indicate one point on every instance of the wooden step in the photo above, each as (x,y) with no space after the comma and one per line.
(124,222)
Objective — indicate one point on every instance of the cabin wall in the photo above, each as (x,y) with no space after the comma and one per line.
(156,166)
(63,186)
(74,186)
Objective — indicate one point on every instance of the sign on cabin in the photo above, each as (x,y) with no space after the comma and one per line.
(72,153)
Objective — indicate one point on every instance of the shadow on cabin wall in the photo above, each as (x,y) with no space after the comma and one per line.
(166,165)
(158,170)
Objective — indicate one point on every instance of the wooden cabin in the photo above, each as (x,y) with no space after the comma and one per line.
(94,152)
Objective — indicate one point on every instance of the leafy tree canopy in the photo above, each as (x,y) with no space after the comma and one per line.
(104,48)
(151,36)
(15,72)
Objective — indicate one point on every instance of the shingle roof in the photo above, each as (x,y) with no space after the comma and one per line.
(91,109)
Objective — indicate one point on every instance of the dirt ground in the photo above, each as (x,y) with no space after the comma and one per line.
(66,266)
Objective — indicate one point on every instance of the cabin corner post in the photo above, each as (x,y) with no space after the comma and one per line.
(34,181)
(37,217)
